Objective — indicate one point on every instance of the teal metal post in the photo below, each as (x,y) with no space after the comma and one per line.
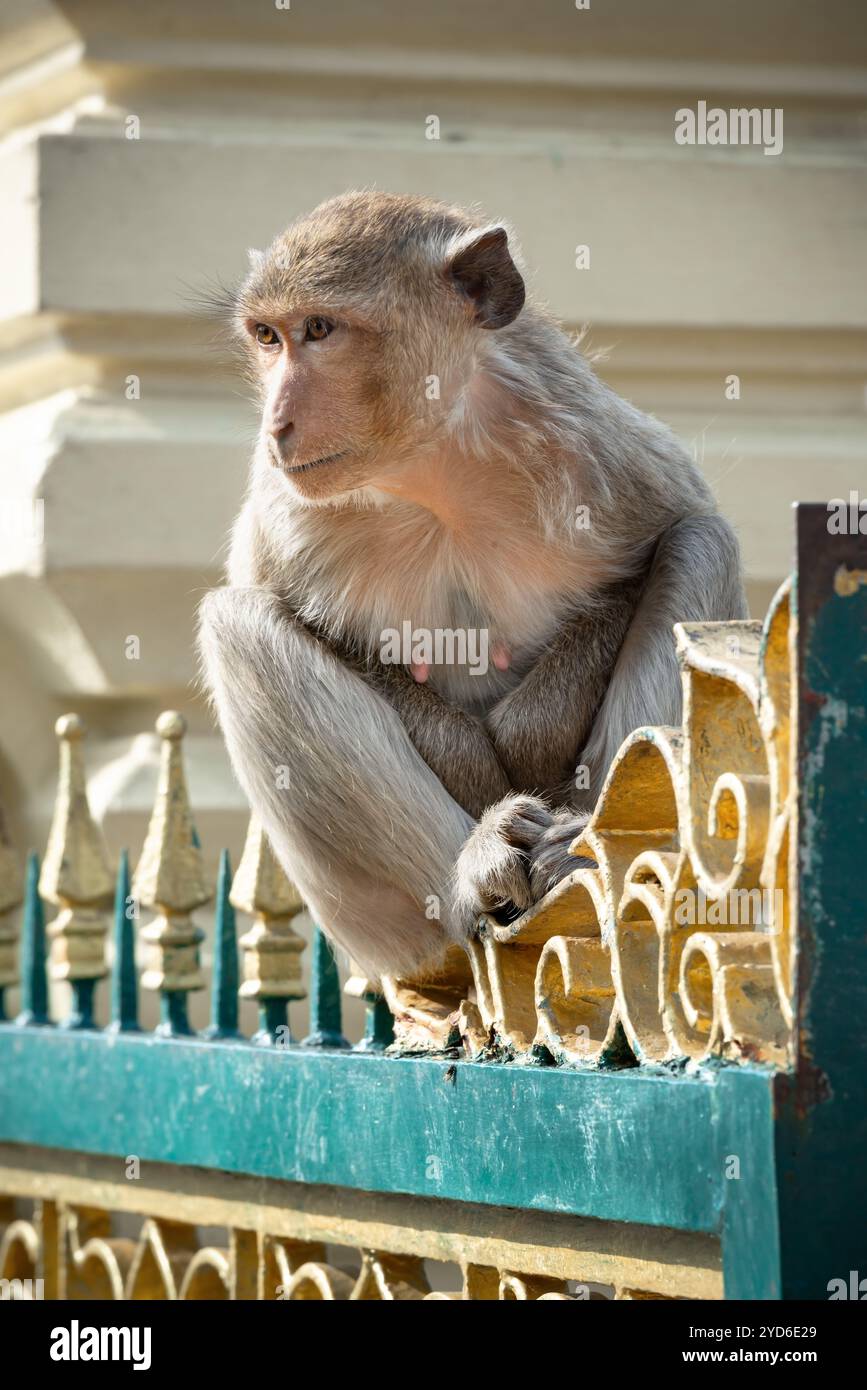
(378,1025)
(224,989)
(34,979)
(822,1109)
(325,1011)
(124,983)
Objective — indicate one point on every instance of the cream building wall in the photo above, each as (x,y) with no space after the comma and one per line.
(705,262)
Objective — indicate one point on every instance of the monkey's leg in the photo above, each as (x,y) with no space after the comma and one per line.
(455,745)
(519,849)
(695,576)
(355,816)
(538,728)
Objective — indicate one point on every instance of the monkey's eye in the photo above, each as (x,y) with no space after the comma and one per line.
(266,336)
(316,328)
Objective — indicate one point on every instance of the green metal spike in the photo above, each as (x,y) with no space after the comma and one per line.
(34,979)
(378,1024)
(224,991)
(325,1011)
(124,984)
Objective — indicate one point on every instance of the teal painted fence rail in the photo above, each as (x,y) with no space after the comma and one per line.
(764,1158)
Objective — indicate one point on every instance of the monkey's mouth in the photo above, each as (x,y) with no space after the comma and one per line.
(314,463)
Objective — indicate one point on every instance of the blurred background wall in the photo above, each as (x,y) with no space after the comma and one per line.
(145,147)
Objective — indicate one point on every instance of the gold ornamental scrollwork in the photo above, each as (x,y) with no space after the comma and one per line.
(679,942)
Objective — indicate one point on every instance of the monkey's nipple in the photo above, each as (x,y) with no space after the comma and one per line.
(419,671)
(501,656)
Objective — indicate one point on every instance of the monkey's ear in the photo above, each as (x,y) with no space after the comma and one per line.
(485,274)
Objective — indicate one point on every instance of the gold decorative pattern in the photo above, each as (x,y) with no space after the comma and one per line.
(678,940)
(272,948)
(166,1262)
(425,1010)
(169,878)
(75,873)
(279,1242)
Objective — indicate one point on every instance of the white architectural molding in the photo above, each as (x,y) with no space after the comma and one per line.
(706,263)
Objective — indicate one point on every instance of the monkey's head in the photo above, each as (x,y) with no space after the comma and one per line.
(365,322)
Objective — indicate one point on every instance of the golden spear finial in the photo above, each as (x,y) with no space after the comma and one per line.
(169,880)
(76,876)
(272,948)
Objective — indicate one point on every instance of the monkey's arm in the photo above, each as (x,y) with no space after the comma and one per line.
(454,744)
(539,728)
(694,576)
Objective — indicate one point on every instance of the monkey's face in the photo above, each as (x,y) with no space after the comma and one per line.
(320,391)
(362,322)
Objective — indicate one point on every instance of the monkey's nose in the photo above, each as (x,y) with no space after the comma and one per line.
(280,441)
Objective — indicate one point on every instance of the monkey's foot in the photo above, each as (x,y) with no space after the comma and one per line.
(550,860)
(493,872)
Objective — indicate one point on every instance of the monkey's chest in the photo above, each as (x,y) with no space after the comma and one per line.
(468,615)
(470,643)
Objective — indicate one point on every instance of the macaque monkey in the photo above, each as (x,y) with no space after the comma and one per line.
(437,456)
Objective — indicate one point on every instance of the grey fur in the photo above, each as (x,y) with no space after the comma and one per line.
(315,750)
(387,825)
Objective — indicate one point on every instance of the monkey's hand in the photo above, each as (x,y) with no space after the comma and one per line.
(454,744)
(492,874)
(517,852)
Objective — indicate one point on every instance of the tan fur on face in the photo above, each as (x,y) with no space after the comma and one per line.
(374,264)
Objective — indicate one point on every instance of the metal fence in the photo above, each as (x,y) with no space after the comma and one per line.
(651,1085)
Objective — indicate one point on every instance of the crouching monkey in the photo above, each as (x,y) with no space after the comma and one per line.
(452,584)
